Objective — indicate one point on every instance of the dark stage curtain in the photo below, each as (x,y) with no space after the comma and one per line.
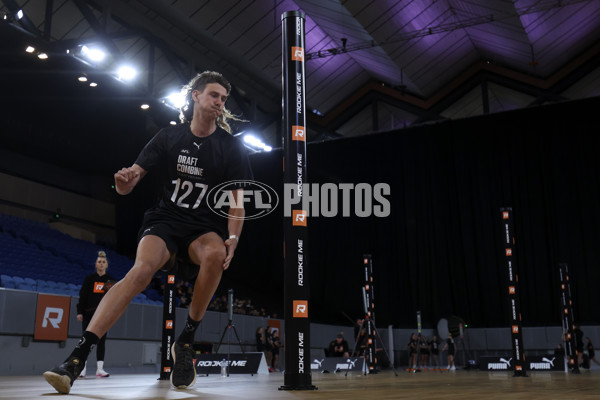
(439,251)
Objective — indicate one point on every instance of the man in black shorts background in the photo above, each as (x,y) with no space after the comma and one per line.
(198,155)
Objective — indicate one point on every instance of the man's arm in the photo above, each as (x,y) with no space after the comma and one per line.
(234,226)
(127,178)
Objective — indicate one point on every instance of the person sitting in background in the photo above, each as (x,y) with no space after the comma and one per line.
(559,351)
(339,347)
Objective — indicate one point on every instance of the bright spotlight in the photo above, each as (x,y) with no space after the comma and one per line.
(93,84)
(82,79)
(176,99)
(43,56)
(173,123)
(19,14)
(126,73)
(30,49)
(251,139)
(145,106)
(255,143)
(94,54)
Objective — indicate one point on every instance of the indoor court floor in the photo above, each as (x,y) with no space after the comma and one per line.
(385,385)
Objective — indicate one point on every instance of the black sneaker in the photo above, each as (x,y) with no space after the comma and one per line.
(63,376)
(184,370)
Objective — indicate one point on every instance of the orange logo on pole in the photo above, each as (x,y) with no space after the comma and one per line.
(504,214)
(511,290)
(297,53)
(298,133)
(169,324)
(509,252)
(300,308)
(299,217)
(171,279)
(515,329)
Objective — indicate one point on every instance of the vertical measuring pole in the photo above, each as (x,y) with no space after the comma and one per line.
(508,248)
(369,299)
(297,375)
(568,323)
(168,327)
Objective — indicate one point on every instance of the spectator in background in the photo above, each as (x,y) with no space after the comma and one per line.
(424,347)
(339,347)
(559,351)
(590,349)
(413,345)
(361,342)
(260,339)
(93,288)
(451,350)
(269,346)
(578,336)
(435,351)
(275,351)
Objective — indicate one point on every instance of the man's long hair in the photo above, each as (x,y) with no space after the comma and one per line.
(199,83)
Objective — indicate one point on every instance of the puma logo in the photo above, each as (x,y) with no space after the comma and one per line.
(197,145)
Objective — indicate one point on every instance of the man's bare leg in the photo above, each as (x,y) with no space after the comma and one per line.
(151,255)
(208,251)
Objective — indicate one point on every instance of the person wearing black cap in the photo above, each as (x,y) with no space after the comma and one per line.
(339,347)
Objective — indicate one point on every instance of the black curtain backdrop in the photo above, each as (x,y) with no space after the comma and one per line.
(440,250)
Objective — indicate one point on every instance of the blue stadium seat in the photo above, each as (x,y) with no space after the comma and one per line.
(8,282)
(25,286)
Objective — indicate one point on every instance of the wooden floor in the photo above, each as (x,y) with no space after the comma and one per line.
(385,385)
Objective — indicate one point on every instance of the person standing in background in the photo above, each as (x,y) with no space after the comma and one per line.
(93,288)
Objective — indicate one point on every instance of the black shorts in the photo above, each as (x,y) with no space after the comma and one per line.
(177,235)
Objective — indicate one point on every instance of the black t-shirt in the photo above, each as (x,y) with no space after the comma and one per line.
(342,347)
(260,346)
(451,347)
(193,167)
(91,292)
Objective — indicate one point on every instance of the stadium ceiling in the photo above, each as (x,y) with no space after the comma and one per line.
(372,65)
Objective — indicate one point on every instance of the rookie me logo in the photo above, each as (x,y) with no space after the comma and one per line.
(52,316)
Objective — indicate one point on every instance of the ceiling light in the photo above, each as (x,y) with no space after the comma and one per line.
(19,14)
(176,99)
(173,123)
(30,49)
(145,106)
(82,79)
(93,84)
(92,53)
(126,73)
(255,143)
(43,56)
